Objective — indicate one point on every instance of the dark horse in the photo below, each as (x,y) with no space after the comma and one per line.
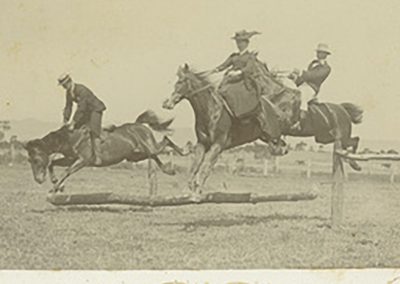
(337,127)
(215,128)
(131,141)
(327,122)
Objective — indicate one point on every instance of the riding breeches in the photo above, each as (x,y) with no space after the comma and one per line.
(307,94)
(94,122)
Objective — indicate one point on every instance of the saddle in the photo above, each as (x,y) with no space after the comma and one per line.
(109,128)
(240,99)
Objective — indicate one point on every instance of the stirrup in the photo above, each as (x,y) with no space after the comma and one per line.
(296,126)
(97,161)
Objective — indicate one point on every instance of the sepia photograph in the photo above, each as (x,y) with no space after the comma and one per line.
(199,141)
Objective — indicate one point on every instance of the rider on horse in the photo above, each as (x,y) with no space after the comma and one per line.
(238,62)
(89,111)
(240,66)
(309,81)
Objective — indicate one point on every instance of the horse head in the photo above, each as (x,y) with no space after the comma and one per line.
(38,158)
(188,84)
(39,151)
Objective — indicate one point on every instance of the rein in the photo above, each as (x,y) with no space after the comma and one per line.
(195,92)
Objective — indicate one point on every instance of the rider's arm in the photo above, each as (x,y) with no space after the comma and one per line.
(318,73)
(225,65)
(68,108)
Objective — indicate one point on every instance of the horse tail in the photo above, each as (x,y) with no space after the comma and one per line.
(154,121)
(355,112)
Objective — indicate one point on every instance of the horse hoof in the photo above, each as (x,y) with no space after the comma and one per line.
(171,172)
(355,166)
(61,188)
(195,197)
(169,169)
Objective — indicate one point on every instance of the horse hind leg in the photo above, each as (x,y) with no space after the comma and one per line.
(353,144)
(176,148)
(166,168)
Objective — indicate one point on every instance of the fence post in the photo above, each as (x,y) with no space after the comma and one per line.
(190,160)
(308,173)
(337,192)
(276,164)
(228,166)
(13,152)
(171,158)
(392,173)
(152,177)
(265,169)
(345,174)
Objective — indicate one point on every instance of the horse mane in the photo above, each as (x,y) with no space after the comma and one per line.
(205,78)
(50,141)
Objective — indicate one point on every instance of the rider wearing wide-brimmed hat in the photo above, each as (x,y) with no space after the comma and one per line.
(309,81)
(89,111)
(241,65)
(238,62)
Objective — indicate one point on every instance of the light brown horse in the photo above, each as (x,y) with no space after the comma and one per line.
(131,141)
(215,128)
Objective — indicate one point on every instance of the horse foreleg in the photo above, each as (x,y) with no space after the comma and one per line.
(62,162)
(199,152)
(210,160)
(76,166)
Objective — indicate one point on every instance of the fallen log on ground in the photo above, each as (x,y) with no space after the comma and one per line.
(215,197)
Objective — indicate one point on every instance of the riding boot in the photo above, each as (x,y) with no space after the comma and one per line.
(97,151)
(297,125)
(263,125)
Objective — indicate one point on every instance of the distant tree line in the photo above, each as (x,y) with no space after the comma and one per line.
(6,156)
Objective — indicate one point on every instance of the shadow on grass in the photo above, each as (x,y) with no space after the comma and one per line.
(241,220)
(85,208)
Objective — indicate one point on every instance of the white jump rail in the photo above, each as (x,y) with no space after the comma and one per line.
(339,156)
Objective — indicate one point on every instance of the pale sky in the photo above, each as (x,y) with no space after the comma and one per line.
(128,52)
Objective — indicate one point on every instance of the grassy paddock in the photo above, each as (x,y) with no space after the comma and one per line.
(37,235)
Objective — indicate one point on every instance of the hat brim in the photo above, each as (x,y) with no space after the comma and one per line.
(62,82)
(240,38)
(324,51)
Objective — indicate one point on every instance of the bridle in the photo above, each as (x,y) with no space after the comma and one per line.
(199,90)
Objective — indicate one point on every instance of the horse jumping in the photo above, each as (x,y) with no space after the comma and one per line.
(215,128)
(132,142)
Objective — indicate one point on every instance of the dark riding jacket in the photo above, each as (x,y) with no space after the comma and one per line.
(315,75)
(237,61)
(86,102)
